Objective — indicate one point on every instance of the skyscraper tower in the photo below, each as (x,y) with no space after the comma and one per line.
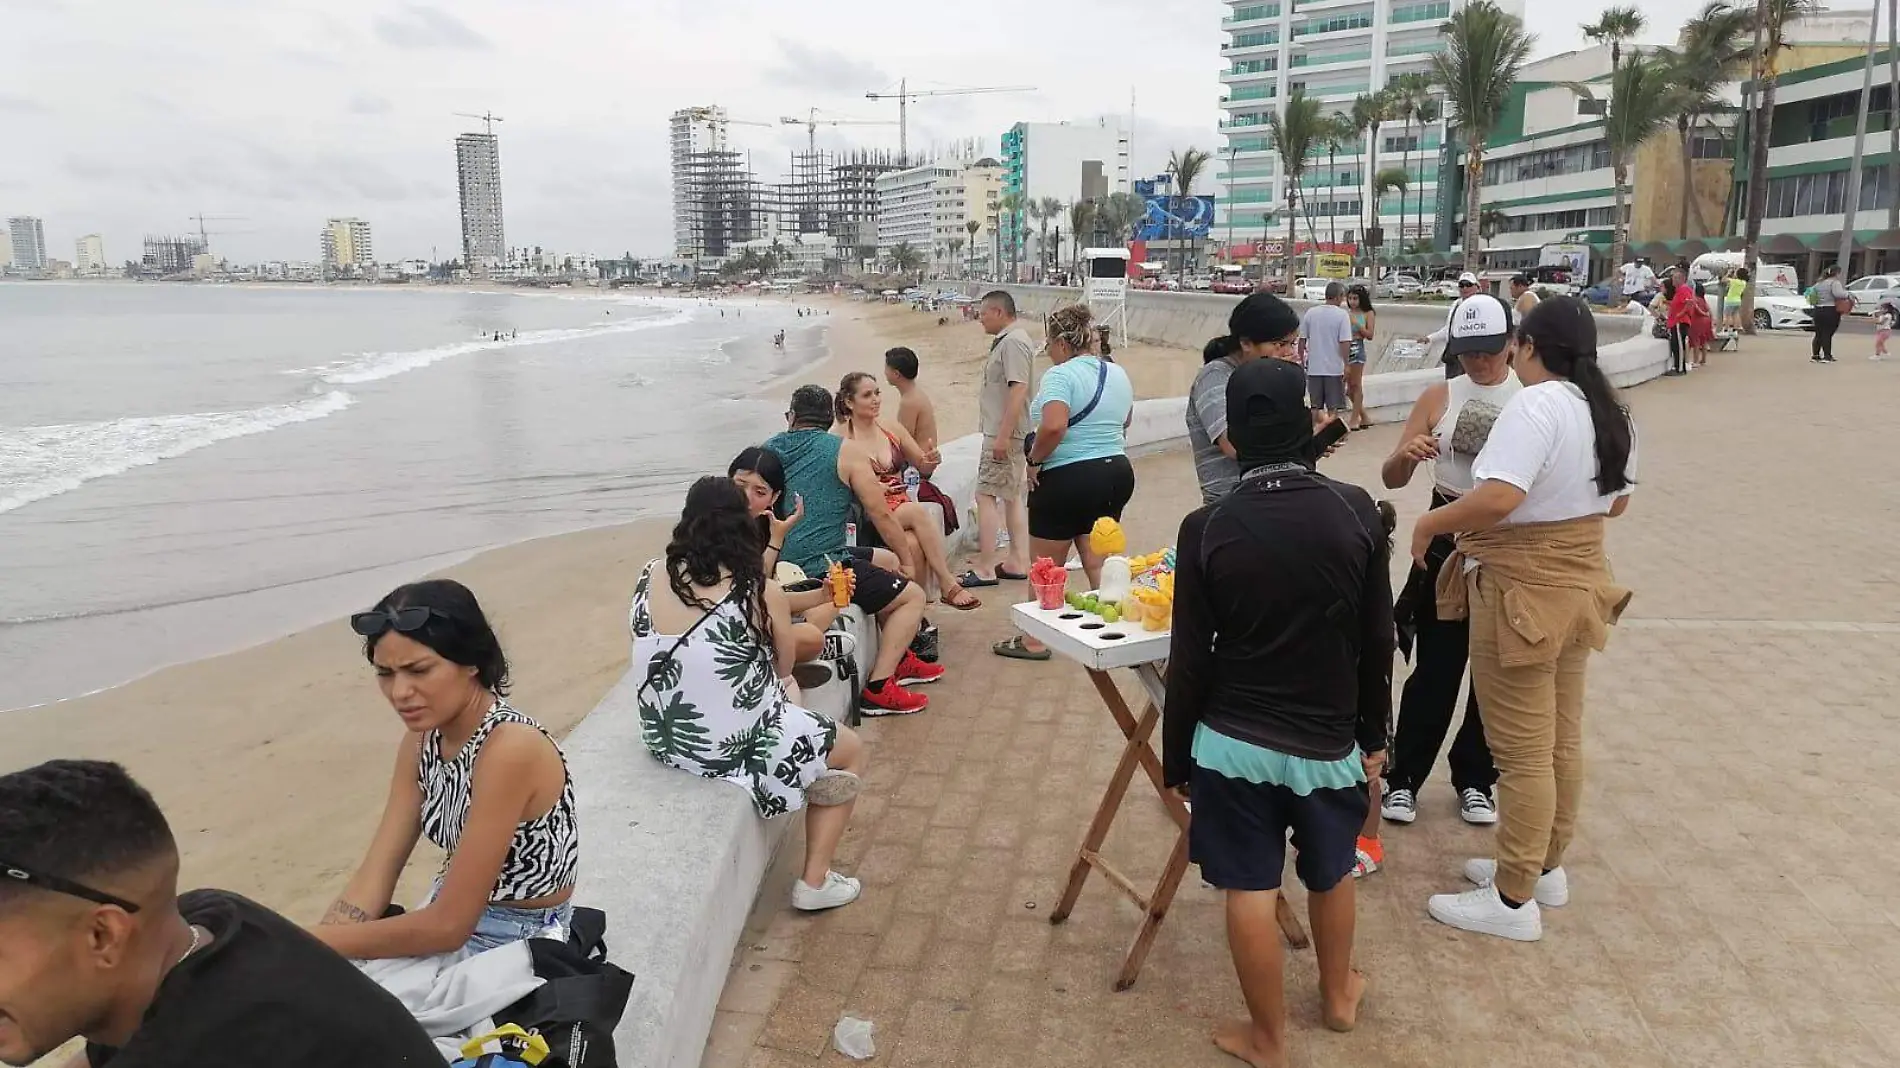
(478,171)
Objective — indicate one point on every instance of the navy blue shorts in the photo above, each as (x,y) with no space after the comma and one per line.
(1239,829)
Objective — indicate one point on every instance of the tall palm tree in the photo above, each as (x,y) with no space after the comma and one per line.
(1295,130)
(1186,165)
(1486,47)
(1772,20)
(1335,132)
(1013,207)
(906,259)
(1049,210)
(1369,112)
(956,250)
(1616,25)
(1644,97)
(1430,110)
(1409,91)
(1081,223)
(1120,214)
(1713,47)
(970,227)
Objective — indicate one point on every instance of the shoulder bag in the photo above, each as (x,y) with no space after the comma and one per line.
(1029,439)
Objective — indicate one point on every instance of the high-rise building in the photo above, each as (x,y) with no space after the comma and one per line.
(694,134)
(1333,52)
(346,245)
(29,242)
(90,255)
(1064,161)
(478,171)
(928,207)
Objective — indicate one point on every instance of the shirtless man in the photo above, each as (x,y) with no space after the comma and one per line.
(918,414)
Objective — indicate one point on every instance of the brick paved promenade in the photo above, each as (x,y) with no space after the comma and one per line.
(1733,883)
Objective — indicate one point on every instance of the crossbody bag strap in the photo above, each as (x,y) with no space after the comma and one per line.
(1100,384)
(653,665)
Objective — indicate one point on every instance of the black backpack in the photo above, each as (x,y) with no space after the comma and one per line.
(579,1005)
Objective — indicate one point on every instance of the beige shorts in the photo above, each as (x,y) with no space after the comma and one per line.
(1002,479)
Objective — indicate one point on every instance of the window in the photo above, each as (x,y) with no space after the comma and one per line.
(1589,106)
(1361,20)
(1256,66)
(1703,146)
(1413,143)
(1255,40)
(1563,219)
(1256,11)
(1440,9)
(1826,194)
(1255,92)
(1570,159)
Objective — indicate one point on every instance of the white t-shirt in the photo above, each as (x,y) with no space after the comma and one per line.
(1636,278)
(1544,444)
(1324,326)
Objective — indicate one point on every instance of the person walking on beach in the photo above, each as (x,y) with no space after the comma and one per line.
(1279,691)
(1447,429)
(96,943)
(1261,325)
(1326,328)
(1529,572)
(1002,410)
(829,474)
(483,783)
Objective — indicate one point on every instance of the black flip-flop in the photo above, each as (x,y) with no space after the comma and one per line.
(973,581)
(1003,573)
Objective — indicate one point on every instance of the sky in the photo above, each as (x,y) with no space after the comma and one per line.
(125,119)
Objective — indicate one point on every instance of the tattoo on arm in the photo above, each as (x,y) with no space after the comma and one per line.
(342,912)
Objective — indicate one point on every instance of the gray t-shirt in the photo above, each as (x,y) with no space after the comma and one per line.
(1829,290)
(1324,326)
(1218,472)
(1007,365)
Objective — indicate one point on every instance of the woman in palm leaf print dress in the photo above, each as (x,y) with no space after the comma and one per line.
(711,639)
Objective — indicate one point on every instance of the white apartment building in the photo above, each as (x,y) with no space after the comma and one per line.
(478,175)
(89,255)
(692,131)
(929,207)
(1811,150)
(29,242)
(1064,161)
(1334,50)
(347,245)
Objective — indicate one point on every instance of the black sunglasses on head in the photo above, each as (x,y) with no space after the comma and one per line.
(55,884)
(401,620)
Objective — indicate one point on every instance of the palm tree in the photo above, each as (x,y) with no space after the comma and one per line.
(956,250)
(1616,25)
(1412,100)
(1772,20)
(1430,110)
(1296,131)
(1336,133)
(1712,49)
(1643,99)
(1390,180)
(906,259)
(1186,165)
(1120,214)
(1369,112)
(1479,66)
(1081,220)
(1491,222)
(1013,206)
(1045,211)
(971,227)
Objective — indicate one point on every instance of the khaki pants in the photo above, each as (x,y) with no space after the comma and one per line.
(1533,720)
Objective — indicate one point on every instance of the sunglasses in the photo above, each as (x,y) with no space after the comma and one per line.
(55,884)
(401,620)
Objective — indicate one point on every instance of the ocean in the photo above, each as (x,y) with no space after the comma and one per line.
(187,470)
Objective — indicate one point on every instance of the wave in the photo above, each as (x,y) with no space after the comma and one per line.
(38,462)
(374,366)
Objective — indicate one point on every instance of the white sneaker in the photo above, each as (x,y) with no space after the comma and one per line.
(1553,887)
(837,891)
(1401,806)
(1476,807)
(1484,912)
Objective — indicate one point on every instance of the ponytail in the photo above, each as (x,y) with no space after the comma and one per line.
(1220,348)
(1608,417)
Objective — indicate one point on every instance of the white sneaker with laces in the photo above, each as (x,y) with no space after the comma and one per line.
(1401,806)
(837,891)
(1553,887)
(1482,911)
(1476,807)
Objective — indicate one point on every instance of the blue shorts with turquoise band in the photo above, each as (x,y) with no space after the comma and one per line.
(1245,800)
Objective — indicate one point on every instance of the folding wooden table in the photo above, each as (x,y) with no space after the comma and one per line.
(1101,648)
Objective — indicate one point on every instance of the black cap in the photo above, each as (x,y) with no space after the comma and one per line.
(1267,417)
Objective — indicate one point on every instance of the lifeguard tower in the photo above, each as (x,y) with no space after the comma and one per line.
(1105,289)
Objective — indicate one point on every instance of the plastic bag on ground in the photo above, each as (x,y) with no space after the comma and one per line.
(852,1037)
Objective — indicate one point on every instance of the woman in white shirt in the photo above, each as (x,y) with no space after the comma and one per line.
(1529,570)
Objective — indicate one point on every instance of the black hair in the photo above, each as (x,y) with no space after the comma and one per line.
(1259,318)
(1562,331)
(812,407)
(1364,294)
(78,820)
(1102,342)
(1669,285)
(1698,289)
(1741,273)
(762,462)
(715,539)
(456,630)
(846,387)
(903,361)
(1523,279)
(1002,299)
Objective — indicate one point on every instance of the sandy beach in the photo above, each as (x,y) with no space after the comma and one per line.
(272,762)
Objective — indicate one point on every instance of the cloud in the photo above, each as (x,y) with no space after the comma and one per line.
(366,104)
(421,26)
(801,66)
(19,105)
(308,58)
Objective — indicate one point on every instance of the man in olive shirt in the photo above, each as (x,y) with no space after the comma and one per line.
(96,943)
(1002,410)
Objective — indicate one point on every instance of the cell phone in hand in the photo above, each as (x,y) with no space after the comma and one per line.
(804,586)
(1328,436)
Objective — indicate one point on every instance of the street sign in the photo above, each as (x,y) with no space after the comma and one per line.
(1333,265)
(1270,248)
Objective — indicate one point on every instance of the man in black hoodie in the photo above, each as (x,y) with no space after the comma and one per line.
(1279,694)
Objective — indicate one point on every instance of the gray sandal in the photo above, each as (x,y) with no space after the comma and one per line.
(1014,649)
(834,787)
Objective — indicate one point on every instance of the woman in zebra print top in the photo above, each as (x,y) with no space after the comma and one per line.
(512,845)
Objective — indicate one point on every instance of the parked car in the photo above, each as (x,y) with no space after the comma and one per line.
(1200,282)
(1313,289)
(1446,288)
(1400,286)
(1233,286)
(1780,308)
(1598,294)
(1868,292)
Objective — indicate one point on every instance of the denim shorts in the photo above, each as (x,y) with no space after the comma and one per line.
(501,925)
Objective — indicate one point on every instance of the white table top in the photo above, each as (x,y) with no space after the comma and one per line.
(1084,638)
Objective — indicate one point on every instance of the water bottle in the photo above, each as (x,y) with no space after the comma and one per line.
(850,533)
(912,480)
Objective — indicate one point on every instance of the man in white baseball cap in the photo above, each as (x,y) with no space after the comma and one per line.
(1467,288)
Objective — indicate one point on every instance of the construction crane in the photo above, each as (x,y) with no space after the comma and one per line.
(204,235)
(489,120)
(812,122)
(904,97)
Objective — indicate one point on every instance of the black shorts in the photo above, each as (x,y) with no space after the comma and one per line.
(1069,499)
(876,588)
(1238,832)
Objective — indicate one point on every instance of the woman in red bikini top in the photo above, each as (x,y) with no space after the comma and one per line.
(860,402)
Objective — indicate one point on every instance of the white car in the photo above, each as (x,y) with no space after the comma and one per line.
(1448,288)
(1780,308)
(1313,289)
(1868,292)
(1402,286)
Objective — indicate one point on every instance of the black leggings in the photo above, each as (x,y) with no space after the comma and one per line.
(1826,322)
(1678,347)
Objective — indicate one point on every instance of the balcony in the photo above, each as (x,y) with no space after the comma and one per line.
(1245,42)
(1252,13)
(1307,59)
(1426,12)
(1333,28)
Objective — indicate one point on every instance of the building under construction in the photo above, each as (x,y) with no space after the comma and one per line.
(170,255)
(719,203)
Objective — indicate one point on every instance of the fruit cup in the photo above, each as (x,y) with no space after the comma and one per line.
(1050,591)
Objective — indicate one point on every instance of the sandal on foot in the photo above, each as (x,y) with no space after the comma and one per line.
(1014,649)
(969,603)
(1006,573)
(970,580)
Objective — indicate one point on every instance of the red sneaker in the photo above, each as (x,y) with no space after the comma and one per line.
(912,671)
(892,700)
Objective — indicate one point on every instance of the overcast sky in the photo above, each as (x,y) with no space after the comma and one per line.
(126,118)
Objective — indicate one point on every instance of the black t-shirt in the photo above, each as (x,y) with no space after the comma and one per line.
(264,992)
